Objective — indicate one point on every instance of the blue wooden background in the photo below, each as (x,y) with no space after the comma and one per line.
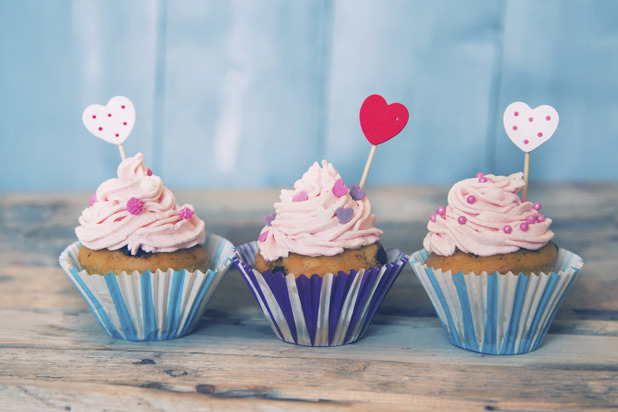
(249,93)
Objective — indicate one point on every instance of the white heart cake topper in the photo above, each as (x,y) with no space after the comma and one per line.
(529,128)
(112,123)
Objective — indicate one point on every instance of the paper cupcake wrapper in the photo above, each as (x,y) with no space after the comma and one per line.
(150,306)
(319,311)
(499,314)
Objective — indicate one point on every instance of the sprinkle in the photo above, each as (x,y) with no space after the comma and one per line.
(480,174)
(507,229)
(148,171)
(186,213)
(93,199)
(536,206)
(523,227)
(462,220)
(432,217)
(441,210)
(356,192)
(339,188)
(531,219)
(263,236)
(482,179)
(300,196)
(540,218)
(471,199)
(135,206)
(268,219)
(344,215)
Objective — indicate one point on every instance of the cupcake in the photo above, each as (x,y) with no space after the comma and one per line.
(490,267)
(144,264)
(318,269)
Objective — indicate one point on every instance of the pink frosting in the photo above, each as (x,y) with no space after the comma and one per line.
(311,227)
(495,206)
(159,227)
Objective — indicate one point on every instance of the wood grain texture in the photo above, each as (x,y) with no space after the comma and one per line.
(55,356)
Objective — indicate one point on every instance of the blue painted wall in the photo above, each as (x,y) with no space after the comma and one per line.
(250,93)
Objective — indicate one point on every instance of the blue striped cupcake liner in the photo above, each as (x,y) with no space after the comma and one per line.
(150,306)
(319,311)
(498,314)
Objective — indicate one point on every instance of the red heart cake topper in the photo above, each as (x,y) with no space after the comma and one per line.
(381,121)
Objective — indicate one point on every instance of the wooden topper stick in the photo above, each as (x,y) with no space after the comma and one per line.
(372,152)
(524,192)
(123,155)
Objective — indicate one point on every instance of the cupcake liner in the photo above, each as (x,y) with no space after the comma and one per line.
(150,306)
(498,314)
(319,311)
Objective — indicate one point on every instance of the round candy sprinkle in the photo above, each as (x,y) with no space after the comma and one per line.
(480,174)
(540,218)
(441,210)
(93,199)
(471,199)
(531,219)
(507,229)
(135,206)
(536,206)
(186,213)
(523,227)
(432,217)
(482,179)
(462,220)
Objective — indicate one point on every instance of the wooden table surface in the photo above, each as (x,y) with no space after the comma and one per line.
(55,356)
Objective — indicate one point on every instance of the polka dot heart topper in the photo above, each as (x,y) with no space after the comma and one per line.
(380,122)
(113,122)
(528,129)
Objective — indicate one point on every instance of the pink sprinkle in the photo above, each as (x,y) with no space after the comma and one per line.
(526,141)
(263,236)
(480,174)
(539,134)
(148,171)
(536,206)
(300,196)
(507,229)
(514,127)
(516,113)
(93,199)
(548,118)
(462,220)
(471,199)
(94,116)
(100,128)
(482,179)
(540,218)
(531,219)
(135,206)
(530,119)
(186,213)
(339,188)
(441,210)
(432,217)
(523,227)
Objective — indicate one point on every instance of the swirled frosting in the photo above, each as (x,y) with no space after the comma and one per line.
(317,218)
(137,211)
(485,217)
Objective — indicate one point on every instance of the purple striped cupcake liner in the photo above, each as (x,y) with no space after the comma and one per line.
(150,306)
(319,311)
(496,313)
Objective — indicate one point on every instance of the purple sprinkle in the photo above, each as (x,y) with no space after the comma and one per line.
(471,199)
(536,206)
(523,227)
(531,219)
(356,192)
(300,196)
(432,217)
(441,210)
(462,220)
(268,219)
(540,218)
(344,215)
(507,229)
